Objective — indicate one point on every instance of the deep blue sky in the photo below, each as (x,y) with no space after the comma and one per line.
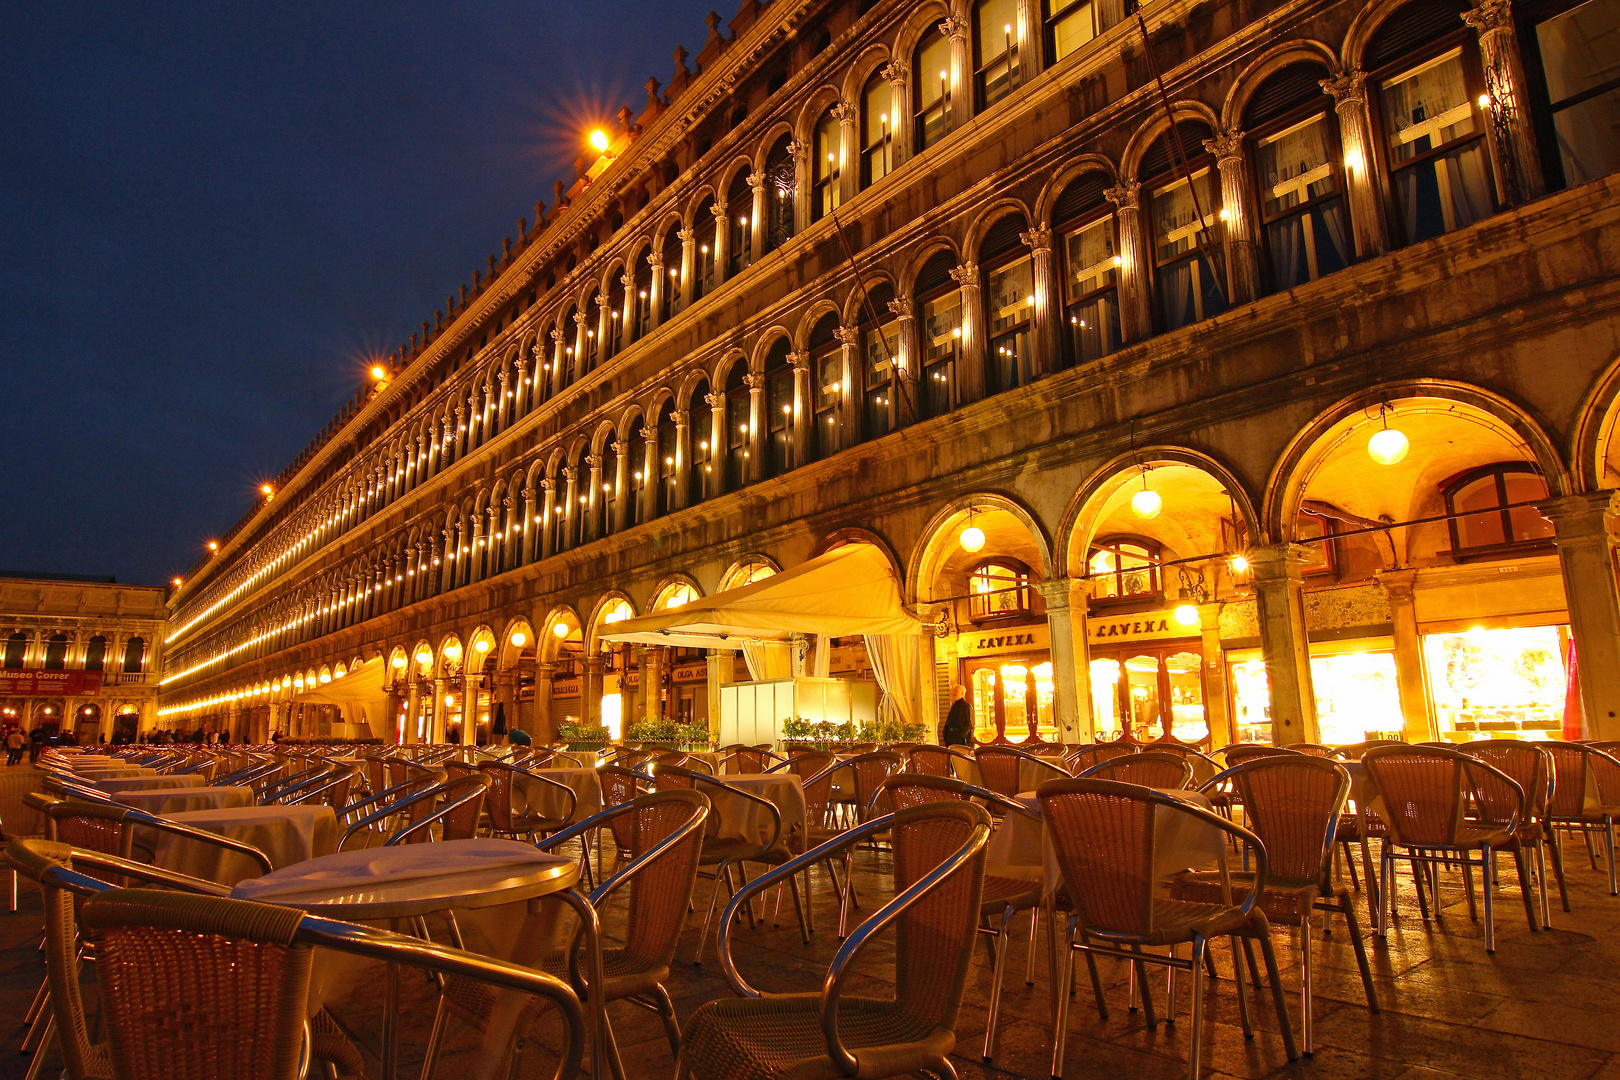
(211,213)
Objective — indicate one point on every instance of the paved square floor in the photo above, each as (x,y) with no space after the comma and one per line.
(1544,1006)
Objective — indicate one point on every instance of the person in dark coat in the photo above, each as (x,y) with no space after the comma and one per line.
(958,729)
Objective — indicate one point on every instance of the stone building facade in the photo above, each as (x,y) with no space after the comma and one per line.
(79,654)
(1094,320)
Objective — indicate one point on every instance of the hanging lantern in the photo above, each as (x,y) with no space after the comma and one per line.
(1388,445)
(1146,503)
(971,539)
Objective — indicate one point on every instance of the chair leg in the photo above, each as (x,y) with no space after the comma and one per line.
(1270,955)
(1525,891)
(430,1057)
(1541,883)
(1060,1008)
(1147,990)
(1371,877)
(720,875)
(1034,934)
(1360,947)
(1242,992)
(672,1027)
(46,1041)
(1490,907)
(1306,1013)
(1558,866)
(1196,1043)
(798,908)
(998,973)
(1096,984)
(1614,878)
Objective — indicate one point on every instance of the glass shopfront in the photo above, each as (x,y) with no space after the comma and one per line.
(1357,693)
(1149,690)
(1498,683)
(1008,674)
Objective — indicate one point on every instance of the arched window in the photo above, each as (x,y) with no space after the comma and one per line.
(1084,219)
(779,418)
(703,251)
(641,321)
(739,401)
(1425,64)
(56,652)
(1297,165)
(1575,89)
(880,346)
(668,459)
(672,273)
(1480,498)
(739,240)
(1072,23)
(1124,568)
(702,482)
(95,653)
(16,649)
(1009,299)
(825,156)
(995,50)
(134,654)
(877,130)
(780,184)
(615,322)
(998,589)
(607,493)
(827,387)
(939,326)
(1185,212)
(930,88)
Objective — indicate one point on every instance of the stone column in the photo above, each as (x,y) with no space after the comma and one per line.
(757,226)
(1584,528)
(720,667)
(1417,723)
(604,328)
(506,697)
(688,264)
(476,555)
(683,456)
(655,292)
(1216,713)
(722,241)
(628,314)
(559,358)
(548,512)
(800,153)
(1361,179)
(1237,215)
(520,389)
(969,376)
(593,497)
(959,106)
(756,426)
(852,384)
(531,530)
(898,74)
(621,485)
(581,343)
(803,417)
(1507,115)
(1073,713)
(470,709)
(906,362)
(1135,277)
(590,701)
(503,400)
(652,681)
(649,472)
(545,728)
(573,535)
(1047,316)
(1280,607)
(413,709)
(849,150)
(715,482)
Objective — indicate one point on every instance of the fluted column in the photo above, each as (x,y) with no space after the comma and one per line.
(572,533)
(898,75)
(683,457)
(503,407)
(722,241)
(1507,115)
(688,264)
(649,470)
(1361,180)
(628,314)
(447,564)
(970,380)
(756,426)
(559,358)
(904,384)
(800,153)
(756,223)
(621,484)
(593,496)
(1048,351)
(530,526)
(581,328)
(851,385)
(1135,279)
(520,391)
(715,482)
(959,110)
(476,550)
(548,517)
(1280,606)
(1584,528)
(604,327)
(802,420)
(1237,217)
(1070,710)
(655,294)
(849,150)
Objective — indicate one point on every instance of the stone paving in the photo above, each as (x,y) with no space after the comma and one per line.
(1542,1007)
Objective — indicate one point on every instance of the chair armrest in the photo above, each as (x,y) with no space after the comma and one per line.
(151,821)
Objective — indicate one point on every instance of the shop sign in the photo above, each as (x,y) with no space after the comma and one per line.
(1035,638)
(50,683)
(1137,626)
(565,688)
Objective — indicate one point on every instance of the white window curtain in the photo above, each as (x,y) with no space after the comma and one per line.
(894,660)
(768,659)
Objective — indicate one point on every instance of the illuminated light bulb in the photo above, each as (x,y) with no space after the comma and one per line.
(560,630)
(266,490)
(742,220)
(378,372)
(481,645)
(1146,503)
(213,545)
(424,658)
(703,248)
(175,583)
(1225,214)
(599,141)
(1352,162)
(1239,564)
(325,677)
(1388,446)
(1186,615)
(519,638)
(399,661)
(1484,101)
(971,539)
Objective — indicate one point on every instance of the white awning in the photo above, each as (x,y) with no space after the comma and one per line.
(362,694)
(852,590)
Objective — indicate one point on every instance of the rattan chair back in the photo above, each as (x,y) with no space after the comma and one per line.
(1528,764)
(998,768)
(660,885)
(1152,768)
(498,799)
(814,770)
(1429,791)
(746,759)
(1084,757)
(620,787)
(1292,802)
(870,770)
(1238,753)
(1203,766)
(35,859)
(94,826)
(1311,749)
(929,760)
(1583,777)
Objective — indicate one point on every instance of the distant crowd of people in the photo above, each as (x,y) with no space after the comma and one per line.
(17,742)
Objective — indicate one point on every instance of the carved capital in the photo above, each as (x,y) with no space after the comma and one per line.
(1227,148)
(580,318)
(570,474)
(799,361)
(680,416)
(896,73)
(556,337)
(754,380)
(966,275)
(798,151)
(649,435)
(719,211)
(1488,16)
(1037,239)
(627,281)
(1124,196)
(538,352)
(847,336)
(1348,88)
(954,27)
(548,485)
(687,234)
(602,301)
(846,112)
(756,182)
(655,259)
(594,461)
(528,495)
(715,401)
(901,308)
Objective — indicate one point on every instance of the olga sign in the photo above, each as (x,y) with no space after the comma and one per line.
(16,683)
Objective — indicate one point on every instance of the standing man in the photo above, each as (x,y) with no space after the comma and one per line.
(14,746)
(958,729)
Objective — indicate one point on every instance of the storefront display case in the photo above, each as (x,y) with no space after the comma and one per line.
(1501,682)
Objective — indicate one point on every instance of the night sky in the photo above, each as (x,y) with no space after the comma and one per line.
(212,214)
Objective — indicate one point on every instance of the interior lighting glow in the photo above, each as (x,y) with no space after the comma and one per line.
(519,638)
(1388,446)
(1186,615)
(971,539)
(560,630)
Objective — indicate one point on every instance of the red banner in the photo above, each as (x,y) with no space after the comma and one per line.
(15,683)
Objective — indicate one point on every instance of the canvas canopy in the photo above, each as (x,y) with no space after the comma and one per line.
(362,694)
(851,590)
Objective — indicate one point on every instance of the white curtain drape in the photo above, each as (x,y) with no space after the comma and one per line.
(894,662)
(822,666)
(768,659)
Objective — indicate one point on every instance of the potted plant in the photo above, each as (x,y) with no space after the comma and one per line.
(582,736)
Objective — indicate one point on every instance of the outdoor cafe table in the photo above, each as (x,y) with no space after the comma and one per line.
(741,819)
(166,802)
(287,835)
(153,782)
(111,772)
(496,889)
(584,783)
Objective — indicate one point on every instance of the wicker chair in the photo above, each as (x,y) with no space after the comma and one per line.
(1082,758)
(1428,792)
(934,760)
(457,805)
(814,768)
(938,879)
(1104,834)
(1531,767)
(1003,896)
(1292,803)
(109,829)
(1585,798)
(620,787)
(503,822)
(745,759)
(1203,766)
(1153,768)
(1001,769)
(866,772)
(1238,753)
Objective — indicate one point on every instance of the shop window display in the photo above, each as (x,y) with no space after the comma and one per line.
(1012,700)
(1496,683)
(1151,691)
(1357,697)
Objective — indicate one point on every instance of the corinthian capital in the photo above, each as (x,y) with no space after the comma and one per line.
(896,72)
(1124,196)
(1489,15)
(1350,87)
(847,336)
(754,380)
(954,27)
(1037,239)
(846,112)
(966,275)
(1227,147)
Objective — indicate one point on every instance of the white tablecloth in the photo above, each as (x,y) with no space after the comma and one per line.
(585,785)
(286,834)
(1030,775)
(166,802)
(150,783)
(743,819)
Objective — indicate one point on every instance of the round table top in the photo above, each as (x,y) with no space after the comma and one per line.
(415,879)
